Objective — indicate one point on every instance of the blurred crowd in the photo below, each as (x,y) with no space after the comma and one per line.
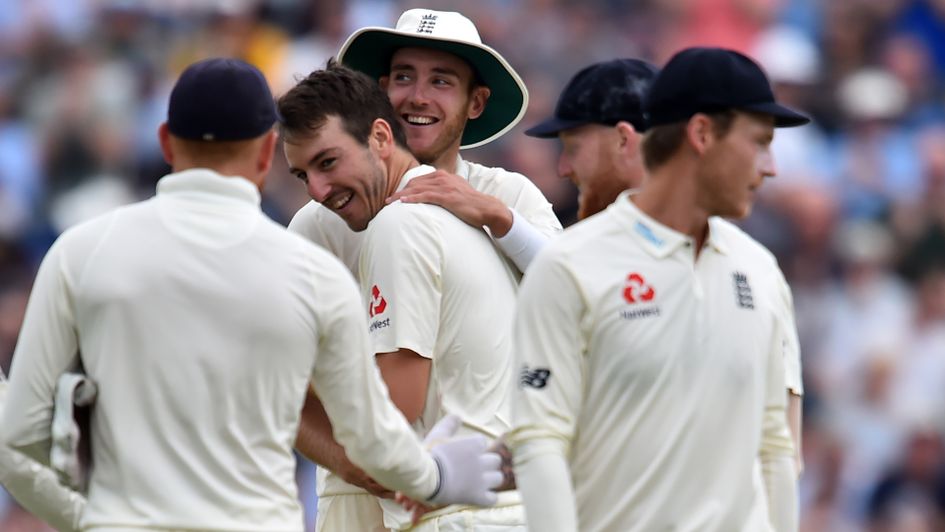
(856,214)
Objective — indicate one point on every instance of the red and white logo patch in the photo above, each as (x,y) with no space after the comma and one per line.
(378,304)
(637,289)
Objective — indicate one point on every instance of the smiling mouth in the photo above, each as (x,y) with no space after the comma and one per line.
(339,201)
(418,120)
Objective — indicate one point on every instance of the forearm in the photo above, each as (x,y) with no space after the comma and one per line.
(39,491)
(794,416)
(315,440)
(544,481)
(780,473)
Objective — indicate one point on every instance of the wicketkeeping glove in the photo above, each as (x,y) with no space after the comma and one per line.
(468,471)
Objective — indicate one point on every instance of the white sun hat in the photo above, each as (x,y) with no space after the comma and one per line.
(369,50)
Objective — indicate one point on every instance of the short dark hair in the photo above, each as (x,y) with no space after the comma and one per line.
(338,91)
(661,142)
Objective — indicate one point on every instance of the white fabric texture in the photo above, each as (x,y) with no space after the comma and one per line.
(654,372)
(202,323)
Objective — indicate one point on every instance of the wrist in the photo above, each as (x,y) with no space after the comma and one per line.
(500,220)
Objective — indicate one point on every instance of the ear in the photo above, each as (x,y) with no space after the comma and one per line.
(267,152)
(383,81)
(381,138)
(164,136)
(627,137)
(477,101)
(700,133)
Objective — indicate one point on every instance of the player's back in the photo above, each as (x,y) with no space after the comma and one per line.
(196,316)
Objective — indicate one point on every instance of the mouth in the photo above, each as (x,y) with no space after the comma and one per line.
(419,120)
(339,201)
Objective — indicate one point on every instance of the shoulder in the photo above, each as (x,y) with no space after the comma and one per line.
(741,242)
(481,176)
(399,212)
(581,245)
(311,217)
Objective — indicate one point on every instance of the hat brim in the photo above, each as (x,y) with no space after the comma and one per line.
(550,128)
(783,117)
(369,50)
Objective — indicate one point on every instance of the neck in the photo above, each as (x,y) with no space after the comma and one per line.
(400,162)
(670,197)
(446,161)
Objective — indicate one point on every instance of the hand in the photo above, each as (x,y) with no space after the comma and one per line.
(418,509)
(356,476)
(468,471)
(454,194)
(508,473)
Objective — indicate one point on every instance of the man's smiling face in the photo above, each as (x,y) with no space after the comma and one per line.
(342,174)
(433,95)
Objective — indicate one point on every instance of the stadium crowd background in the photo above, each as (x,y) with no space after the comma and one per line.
(856,215)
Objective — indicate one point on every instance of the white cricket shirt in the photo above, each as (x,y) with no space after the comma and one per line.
(439,287)
(328,230)
(201,321)
(650,373)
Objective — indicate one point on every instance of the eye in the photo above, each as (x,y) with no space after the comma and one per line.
(327,163)
(400,77)
(442,82)
(301,176)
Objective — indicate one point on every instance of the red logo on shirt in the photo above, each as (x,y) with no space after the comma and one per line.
(637,289)
(378,304)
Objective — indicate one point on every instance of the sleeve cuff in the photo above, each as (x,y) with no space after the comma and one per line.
(522,242)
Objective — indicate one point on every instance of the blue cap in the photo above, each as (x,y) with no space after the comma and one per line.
(602,93)
(220,100)
(707,80)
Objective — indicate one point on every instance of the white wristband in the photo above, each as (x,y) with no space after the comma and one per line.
(522,242)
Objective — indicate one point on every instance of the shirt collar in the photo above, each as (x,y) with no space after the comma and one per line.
(414,172)
(204,180)
(462,167)
(657,239)
(715,236)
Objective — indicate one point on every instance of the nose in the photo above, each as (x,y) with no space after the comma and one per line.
(418,94)
(766,164)
(318,189)
(564,166)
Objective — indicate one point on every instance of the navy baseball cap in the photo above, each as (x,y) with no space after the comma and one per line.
(603,93)
(220,100)
(706,80)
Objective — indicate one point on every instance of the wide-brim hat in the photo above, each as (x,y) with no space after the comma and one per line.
(369,50)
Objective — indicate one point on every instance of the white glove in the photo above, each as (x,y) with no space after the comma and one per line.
(468,472)
(72,390)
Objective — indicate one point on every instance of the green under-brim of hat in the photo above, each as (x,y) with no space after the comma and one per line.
(369,50)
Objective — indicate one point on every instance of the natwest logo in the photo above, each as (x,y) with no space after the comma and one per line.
(378,303)
(637,290)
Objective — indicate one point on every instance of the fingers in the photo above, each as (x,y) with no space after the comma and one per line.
(493,479)
(490,461)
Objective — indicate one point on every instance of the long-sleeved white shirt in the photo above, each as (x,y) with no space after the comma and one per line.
(650,381)
(36,487)
(203,322)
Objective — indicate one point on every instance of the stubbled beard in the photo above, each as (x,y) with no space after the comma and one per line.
(450,134)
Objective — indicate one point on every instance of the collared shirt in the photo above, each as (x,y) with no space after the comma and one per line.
(651,371)
(437,286)
(202,322)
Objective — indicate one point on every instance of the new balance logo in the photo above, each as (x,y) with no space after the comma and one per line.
(536,378)
(743,295)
